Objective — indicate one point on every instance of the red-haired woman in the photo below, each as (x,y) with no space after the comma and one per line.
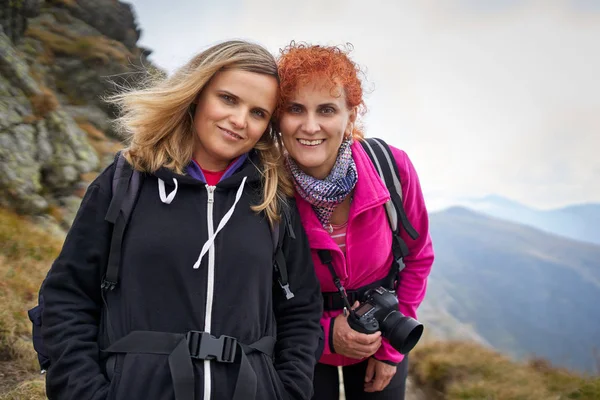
(340,197)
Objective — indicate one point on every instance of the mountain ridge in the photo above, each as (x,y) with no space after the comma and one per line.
(515,286)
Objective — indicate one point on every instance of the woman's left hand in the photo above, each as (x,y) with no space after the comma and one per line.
(378,376)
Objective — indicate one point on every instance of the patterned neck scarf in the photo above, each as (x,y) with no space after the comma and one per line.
(324,195)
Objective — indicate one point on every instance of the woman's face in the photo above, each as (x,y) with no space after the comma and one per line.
(313,124)
(232,113)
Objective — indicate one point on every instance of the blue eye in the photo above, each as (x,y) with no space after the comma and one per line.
(327,110)
(227,98)
(259,113)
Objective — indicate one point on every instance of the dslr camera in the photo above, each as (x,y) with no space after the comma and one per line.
(379,311)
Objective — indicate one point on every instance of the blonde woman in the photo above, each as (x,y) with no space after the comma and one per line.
(195,313)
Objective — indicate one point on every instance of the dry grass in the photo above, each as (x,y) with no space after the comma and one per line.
(31,389)
(88,177)
(60,41)
(43,103)
(92,132)
(26,254)
(461,370)
(98,140)
(442,370)
(67,3)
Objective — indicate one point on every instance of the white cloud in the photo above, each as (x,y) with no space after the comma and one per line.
(503,98)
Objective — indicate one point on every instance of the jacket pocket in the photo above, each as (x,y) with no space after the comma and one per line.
(144,376)
(274,377)
(114,366)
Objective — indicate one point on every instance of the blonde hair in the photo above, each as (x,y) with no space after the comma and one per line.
(157,120)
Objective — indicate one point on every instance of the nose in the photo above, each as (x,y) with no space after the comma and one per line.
(310,125)
(238,118)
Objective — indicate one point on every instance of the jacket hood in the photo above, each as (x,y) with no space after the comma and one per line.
(249,168)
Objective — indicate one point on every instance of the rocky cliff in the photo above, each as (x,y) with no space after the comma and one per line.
(58,58)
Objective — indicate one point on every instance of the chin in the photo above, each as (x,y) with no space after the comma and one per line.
(310,168)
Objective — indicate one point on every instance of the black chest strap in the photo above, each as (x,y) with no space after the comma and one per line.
(345,298)
(182,348)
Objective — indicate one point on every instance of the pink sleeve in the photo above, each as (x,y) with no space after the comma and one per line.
(326,324)
(413,279)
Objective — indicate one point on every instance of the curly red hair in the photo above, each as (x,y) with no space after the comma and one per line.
(299,64)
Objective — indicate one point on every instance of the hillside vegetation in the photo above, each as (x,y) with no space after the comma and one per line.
(520,290)
(25,257)
(439,369)
(455,370)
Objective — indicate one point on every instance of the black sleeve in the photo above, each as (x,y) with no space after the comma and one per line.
(72,297)
(299,332)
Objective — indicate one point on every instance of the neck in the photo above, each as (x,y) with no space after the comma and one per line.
(321,172)
(342,211)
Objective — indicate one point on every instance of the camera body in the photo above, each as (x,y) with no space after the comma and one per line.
(379,312)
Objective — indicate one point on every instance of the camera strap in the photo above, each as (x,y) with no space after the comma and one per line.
(325,256)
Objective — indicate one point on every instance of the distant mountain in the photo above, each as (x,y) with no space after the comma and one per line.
(579,222)
(516,288)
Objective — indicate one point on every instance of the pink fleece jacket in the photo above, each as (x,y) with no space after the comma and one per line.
(369,245)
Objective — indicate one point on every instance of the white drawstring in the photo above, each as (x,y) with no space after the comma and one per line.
(223,222)
(161,191)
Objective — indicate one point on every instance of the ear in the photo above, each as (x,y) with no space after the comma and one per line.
(353,114)
(351,121)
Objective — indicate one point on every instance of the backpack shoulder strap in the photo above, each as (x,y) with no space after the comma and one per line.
(125,187)
(278,233)
(382,158)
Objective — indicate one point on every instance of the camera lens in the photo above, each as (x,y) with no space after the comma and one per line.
(403,332)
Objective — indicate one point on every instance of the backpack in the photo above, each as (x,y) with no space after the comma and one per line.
(382,158)
(384,162)
(125,189)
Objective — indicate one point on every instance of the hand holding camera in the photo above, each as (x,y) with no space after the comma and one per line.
(351,343)
(379,312)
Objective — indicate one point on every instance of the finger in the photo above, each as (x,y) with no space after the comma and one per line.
(386,381)
(370,371)
(364,350)
(364,339)
(379,383)
(356,304)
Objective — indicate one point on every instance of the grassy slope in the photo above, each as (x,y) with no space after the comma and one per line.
(443,370)
(26,254)
(456,370)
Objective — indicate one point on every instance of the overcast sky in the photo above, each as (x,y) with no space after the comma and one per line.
(486,96)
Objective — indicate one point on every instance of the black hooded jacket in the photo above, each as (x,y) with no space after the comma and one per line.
(230,293)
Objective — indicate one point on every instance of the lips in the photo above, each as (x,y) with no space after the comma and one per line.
(230,133)
(307,142)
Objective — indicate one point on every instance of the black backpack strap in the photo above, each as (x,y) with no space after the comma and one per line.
(125,187)
(385,164)
(278,233)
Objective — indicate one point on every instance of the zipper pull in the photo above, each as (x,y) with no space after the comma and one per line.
(211,193)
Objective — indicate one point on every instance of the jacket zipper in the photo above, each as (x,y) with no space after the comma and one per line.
(210,285)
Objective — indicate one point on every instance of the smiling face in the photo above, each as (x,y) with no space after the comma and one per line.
(232,113)
(313,124)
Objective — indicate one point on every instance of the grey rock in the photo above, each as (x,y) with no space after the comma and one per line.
(14,16)
(44,148)
(70,205)
(44,152)
(20,177)
(111,18)
(50,225)
(94,115)
(14,69)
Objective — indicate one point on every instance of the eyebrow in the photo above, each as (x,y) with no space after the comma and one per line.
(228,93)
(328,105)
(293,103)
